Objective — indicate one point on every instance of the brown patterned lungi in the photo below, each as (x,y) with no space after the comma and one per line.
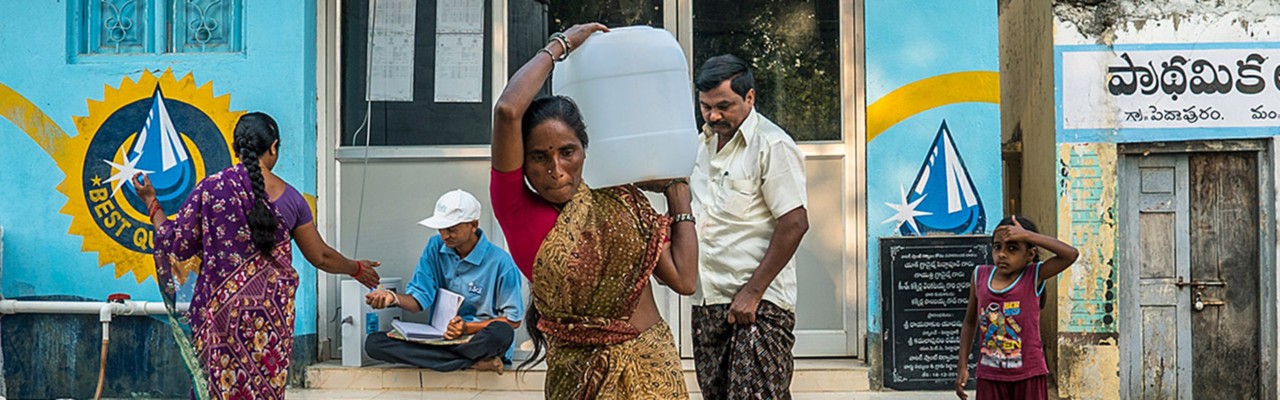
(744,361)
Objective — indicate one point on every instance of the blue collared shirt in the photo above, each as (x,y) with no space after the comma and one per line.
(487,278)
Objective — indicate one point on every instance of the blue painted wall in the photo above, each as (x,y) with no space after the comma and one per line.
(920,43)
(275,74)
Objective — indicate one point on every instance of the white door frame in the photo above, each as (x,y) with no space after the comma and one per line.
(851,149)
(328,100)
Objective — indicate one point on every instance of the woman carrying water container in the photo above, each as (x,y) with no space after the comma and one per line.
(589,252)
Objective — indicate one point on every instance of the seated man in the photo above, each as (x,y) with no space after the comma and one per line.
(460,260)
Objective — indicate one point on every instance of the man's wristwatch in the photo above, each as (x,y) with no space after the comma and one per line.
(682,218)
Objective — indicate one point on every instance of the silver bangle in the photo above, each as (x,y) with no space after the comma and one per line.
(544,50)
(564,45)
(568,46)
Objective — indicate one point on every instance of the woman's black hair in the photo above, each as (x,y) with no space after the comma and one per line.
(539,339)
(255,133)
(562,108)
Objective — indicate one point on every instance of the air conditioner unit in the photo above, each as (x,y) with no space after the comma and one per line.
(359,320)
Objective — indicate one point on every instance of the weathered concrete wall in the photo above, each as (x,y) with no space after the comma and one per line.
(1026,124)
(1092,362)
(1087,300)
(1085,195)
(1166,21)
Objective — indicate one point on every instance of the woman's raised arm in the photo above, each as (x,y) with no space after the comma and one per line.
(508,143)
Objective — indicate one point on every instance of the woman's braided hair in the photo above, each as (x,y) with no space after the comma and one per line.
(254,135)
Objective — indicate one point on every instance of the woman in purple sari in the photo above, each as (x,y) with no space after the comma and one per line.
(235,232)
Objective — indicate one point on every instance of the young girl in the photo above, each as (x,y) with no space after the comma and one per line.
(1003,304)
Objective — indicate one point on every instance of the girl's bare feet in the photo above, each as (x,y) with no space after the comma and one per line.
(492,364)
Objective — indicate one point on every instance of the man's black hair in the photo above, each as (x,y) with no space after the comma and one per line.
(725,67)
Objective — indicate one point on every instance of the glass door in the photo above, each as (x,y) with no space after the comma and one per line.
(798,52)
(803,55)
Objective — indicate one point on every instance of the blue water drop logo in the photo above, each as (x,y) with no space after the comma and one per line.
(943,198)
(160,148)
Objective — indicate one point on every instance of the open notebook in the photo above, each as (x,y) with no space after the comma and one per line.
(446,307)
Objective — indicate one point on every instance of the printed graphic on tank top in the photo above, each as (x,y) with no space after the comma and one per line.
(1009,326)
(1001,342)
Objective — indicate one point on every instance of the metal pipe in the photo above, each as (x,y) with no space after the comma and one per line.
(102,363)
(129,307)
(105,311)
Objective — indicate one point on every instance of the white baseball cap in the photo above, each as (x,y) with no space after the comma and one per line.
(453,208)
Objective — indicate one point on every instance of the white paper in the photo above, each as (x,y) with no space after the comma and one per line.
(459,69)
(446,307)
(392,26)
(412,330)
(460,16)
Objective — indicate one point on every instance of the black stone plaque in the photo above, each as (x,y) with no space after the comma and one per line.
(925,287)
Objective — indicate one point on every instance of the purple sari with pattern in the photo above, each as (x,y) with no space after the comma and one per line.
(242,301)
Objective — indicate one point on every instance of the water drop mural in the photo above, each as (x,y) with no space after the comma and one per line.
(943,197)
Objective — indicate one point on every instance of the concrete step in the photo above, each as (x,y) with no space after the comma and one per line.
(811,376)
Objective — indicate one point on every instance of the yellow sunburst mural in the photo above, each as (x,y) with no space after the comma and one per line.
(172,129)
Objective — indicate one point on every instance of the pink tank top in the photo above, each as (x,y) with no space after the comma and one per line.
(1009,326)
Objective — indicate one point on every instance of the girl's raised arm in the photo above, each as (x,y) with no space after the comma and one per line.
(1063,254)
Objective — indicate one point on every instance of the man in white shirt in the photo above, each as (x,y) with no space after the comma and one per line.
(749,198)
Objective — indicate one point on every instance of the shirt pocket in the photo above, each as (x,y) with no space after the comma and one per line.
(739,196)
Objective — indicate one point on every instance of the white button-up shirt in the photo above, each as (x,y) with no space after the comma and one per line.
(738,195)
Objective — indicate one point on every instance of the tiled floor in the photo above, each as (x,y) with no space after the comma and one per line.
(811,375)
(318,394)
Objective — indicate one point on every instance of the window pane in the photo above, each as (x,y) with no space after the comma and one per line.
(114,26)
(205,26)
(793,46)
(614,13)
(423,121)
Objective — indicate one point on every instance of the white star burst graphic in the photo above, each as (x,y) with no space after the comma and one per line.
(127,171)
(906,212)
